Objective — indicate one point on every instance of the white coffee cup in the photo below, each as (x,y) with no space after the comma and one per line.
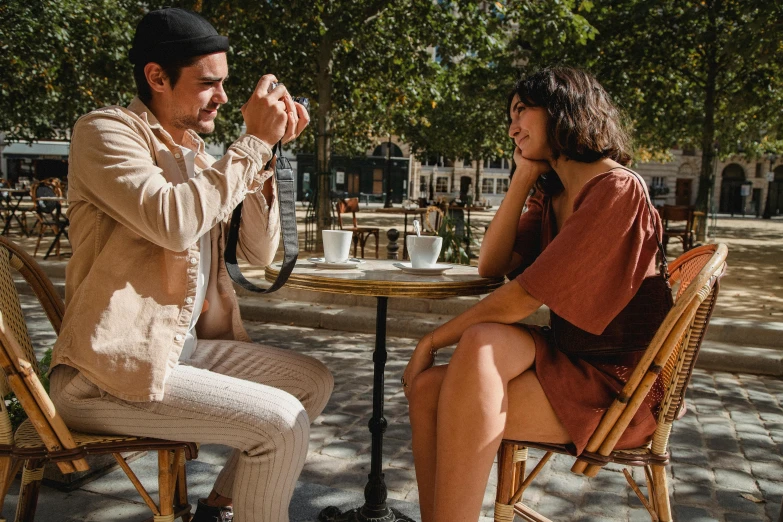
(424,250)
(337,245)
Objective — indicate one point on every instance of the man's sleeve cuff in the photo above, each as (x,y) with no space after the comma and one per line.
(256,149)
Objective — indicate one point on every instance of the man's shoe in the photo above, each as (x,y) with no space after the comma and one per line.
(205,513)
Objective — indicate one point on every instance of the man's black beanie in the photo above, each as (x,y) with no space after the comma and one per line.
(170,34)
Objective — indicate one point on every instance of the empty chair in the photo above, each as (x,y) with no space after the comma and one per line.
(678,223)
(360,234)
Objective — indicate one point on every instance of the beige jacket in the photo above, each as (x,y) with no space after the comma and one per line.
(135,220)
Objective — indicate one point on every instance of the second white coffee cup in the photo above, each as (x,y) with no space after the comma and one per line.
(424,250)
(337,245)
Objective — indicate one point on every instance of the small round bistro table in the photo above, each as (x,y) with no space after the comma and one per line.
(381,279)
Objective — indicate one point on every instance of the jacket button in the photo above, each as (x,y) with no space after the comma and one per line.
(178,155)
(179,337)
(189,300)
(193,260)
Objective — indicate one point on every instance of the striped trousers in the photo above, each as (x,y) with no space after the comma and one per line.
(256,399)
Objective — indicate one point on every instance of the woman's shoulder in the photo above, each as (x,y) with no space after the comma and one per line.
(614,185)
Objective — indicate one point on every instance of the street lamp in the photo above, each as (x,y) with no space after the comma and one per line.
(772,157)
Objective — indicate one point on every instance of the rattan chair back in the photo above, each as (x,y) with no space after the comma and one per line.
(11,309)
(678,369)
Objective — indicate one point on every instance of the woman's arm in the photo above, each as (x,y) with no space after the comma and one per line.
(497,257)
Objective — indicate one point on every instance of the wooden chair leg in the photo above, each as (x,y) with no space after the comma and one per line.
(9,467)
(504,511)
(181,489)
(661,493)
(32,474)
(376,244)
(166,481)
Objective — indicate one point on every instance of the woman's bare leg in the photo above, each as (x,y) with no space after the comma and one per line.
(530,418)
(423,413)
(471,415)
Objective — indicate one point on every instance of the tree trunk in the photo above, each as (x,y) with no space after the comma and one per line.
(323,141)
(478,182)
(708,152)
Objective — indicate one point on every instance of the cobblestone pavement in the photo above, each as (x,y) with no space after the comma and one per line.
(726,451)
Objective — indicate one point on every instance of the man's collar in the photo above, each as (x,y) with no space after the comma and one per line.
(192,140)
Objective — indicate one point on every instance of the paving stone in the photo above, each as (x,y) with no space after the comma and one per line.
(693,494)
(735,480)
(722,459)
(693,514)
(693,474)
(605,505)
(343,449)
(735,502)
(768,470)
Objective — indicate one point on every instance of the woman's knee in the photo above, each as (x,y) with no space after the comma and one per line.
(425,391)
(476,341)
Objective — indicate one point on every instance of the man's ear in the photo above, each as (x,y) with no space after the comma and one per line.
(156,77)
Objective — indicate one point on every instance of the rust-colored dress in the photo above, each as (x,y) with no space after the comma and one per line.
(586,273)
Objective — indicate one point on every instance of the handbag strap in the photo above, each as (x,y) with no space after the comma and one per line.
(284,175)
(658,239)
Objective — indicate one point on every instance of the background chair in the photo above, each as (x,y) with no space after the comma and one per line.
(44,437)
(48,213)
(678,223)
(672,355)
(360,234)
(433,218)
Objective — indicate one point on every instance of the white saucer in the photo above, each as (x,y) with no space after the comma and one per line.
(436,269)
(320,262)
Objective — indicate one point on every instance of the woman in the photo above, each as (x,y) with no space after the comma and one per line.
(584,247)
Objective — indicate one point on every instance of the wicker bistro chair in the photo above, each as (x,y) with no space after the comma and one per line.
(44,437)
(678,224)
(671,354)
(48,213)
(360,234)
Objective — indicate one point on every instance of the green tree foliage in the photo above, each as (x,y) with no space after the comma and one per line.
(689,73)
(468,119)
(61,59)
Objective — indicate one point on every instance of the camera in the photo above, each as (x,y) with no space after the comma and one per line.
(298,99)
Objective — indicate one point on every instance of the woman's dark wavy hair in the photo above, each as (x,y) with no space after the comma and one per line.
(583,124)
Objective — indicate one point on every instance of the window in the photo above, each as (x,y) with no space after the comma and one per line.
(502,185)
(423,185)
(658,181)
(488,186)
(496,163)
(759,174)
(377,181)
(432,160)
(442,184)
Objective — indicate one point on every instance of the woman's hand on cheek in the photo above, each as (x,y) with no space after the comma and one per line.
(527,168)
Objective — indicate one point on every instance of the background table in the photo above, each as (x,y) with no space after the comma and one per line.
(417,212)
(379,278)
(14,200)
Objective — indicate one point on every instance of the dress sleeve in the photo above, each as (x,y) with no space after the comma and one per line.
(590,271)
(528,240)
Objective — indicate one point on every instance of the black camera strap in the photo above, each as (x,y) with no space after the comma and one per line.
(286,200)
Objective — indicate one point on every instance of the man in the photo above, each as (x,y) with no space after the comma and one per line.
(152,343)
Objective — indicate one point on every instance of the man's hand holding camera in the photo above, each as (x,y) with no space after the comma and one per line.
(272,115)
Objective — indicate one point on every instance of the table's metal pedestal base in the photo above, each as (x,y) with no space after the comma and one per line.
(374,508)
(332,514)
